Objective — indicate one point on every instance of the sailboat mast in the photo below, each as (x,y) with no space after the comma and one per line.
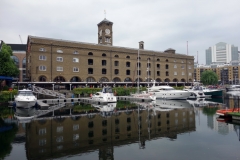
(138,73)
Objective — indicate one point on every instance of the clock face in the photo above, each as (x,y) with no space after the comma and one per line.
(107,31)
(100,32)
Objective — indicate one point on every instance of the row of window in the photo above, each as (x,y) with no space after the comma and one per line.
(104,55)
(116,63)
(104,71)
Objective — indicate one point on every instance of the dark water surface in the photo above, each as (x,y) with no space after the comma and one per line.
(141,132)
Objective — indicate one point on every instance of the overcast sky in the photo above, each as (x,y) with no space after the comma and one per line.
(161,24)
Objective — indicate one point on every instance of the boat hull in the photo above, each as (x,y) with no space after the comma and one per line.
(215,93)
(25,103)
(172,95)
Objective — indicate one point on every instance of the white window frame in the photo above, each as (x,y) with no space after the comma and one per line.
(59,139)
(42,49)
(42,68)
(183,73)
(175,73)
(175,66)
(42,142)
(59,59)
(75,52)
(182,67)
(59,129)
(189,67)
(75,69)
(182,61)
(75,60)
(59,68)
(75,137)
(59,51)
(190,74)
(43,57)
(76,127)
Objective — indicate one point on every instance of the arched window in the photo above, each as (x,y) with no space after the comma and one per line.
(158,59)
(15,60)
(59,79)
(166,60)
(166,80)
(42,79)
(116,56)
(90,53)
(90,79)
(103,79)
(75,79)
(158,80)
(127,79)
(104,55)
(175,80)
(116,79)
(128,57)
(149,59)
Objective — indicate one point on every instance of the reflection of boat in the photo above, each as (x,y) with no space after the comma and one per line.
(172,104)
(144,94)
(202,102)
(105,108)
(105,95)
(24,114)
(168,92)
(25,99)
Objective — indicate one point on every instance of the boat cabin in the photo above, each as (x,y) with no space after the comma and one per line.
(107,90)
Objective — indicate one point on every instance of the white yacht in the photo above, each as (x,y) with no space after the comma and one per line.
(105,95)
(168,92)
(25,98)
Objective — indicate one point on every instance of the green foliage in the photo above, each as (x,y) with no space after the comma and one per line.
(209,78)
(209,111)
(6,96)
(7,66)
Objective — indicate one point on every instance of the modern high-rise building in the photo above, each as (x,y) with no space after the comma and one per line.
(221,53)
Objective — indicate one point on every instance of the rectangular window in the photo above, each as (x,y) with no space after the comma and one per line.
(116,63)
(42,142)
(183,73)
(175,73)
(59,139)
(75,69)
(75,127)
(189,67)
(42,131)
(60,59)
(104,62)
(75,137)
(42,68)
(190,74)
(75,52)
(175,66)
(59,51)
(158,73)
(42,57)
(42,49)
(59,68)
(59,129)
(182,67)
(76,60)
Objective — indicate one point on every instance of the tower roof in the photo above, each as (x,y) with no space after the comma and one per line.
(105,21)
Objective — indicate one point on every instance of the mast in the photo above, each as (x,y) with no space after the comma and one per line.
(138,73)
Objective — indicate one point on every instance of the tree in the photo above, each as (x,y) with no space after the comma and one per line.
(7,66)
(209,78)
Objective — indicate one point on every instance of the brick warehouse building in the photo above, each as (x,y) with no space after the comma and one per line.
(54,60)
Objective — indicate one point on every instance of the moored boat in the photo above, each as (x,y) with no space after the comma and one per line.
(168,92)
(106,95)
(25,98)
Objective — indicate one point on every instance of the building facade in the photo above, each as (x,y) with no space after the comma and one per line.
(54,60)
(221,53)
(227,73)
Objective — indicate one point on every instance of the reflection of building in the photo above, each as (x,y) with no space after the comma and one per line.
(53,137)
(50,59)
(221,53)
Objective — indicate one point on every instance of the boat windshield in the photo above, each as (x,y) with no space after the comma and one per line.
(25,93)
(107,90)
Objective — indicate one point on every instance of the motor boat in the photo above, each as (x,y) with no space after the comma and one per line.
(196,92)
(207,92)
(105,95)
(144,95)
(25,98)
(168,92)
(233,88)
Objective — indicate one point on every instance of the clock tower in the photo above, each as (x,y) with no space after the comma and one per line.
(105,34)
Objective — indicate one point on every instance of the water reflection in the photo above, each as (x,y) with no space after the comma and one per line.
(54,137)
